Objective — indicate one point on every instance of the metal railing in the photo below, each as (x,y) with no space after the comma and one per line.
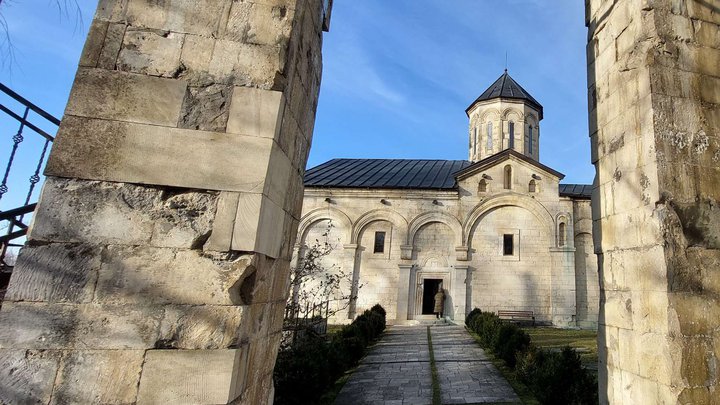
(302,319)
(16,196)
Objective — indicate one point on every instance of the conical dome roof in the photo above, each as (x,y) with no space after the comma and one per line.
(506,87)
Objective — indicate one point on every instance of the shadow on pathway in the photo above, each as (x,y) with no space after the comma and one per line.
(397,370)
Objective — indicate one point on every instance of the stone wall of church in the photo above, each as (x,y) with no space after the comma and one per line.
(519,281)
(456,236)
(378,272)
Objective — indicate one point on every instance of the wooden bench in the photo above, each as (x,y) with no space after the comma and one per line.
(517,316)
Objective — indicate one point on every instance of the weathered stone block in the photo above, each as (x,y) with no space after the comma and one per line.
(113,327)
(200,327)
(94,44)
(206,108)
(702,10)
(258,23)
(294,195)
(706,34)
(111,46)
(281,283)
(37,326)
(146,275)
(74,202)
(256,112)
(247,64)
(655,359)
(183,219)
(259,382)
(258,222)
(266,270)
(195,59)
(139,153)
(27,376)
(98,93)
(279,175)
(191,376)
(618,310)
(205,18)
(698,362)
(150,52)
(221,237)
(110,10)
(693,314)
(47,326)
(99,377)
(710,89)
(95,212)
(55,273)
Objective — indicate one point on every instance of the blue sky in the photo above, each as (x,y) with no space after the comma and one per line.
(398,74)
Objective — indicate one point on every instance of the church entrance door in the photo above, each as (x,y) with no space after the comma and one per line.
(430,288)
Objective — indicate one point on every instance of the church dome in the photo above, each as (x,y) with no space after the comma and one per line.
(506,87)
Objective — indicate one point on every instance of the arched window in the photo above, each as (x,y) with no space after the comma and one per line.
(489,137)
(562,237)
(532,187)
(530,140)
(482,186)
(511,130)
(507,183)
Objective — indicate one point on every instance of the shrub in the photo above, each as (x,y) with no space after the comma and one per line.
(306,370)
(468,318)
(509,341)
(302,371)
(557,377)
(378,309)
(486,325)
(554,377)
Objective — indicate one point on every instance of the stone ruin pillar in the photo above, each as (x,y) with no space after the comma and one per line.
(156,269)
(654,85)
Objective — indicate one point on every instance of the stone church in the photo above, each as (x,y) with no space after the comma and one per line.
(498,231)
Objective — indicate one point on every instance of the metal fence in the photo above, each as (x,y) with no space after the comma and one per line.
(28,132)
(303,319)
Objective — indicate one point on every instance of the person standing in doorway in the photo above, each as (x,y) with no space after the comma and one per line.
(439,301)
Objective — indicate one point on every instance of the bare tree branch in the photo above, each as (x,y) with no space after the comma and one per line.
(69,9)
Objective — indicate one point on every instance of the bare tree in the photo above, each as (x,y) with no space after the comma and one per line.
(67,9)
(314,282)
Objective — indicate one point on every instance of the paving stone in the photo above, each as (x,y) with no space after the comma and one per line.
(397,370)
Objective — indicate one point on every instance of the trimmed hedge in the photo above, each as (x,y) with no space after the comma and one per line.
(553,377)
(509,341)
(557,377)
(306,370)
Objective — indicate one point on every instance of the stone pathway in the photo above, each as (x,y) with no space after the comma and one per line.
(397,370)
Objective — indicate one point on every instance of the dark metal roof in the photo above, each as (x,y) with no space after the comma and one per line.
(405,174)
(506,87)
(385,173)
(576,190)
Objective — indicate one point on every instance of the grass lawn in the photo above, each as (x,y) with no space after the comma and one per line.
(584,341)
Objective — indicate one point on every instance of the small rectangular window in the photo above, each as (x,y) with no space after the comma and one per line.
(508,248)
(379,242)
